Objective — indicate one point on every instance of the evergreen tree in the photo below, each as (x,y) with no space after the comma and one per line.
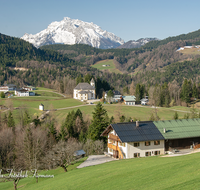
(26,118)
(52,130)
(2,95)
(88,78)
(194,91)
(79,79)
(37,121)
(11,122)
(185,91)
(137,92)
(175,115)
(99,123)
(63,133)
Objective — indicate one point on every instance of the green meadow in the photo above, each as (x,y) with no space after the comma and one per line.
(180,172)
(110,68)
(63,106)
(115,110)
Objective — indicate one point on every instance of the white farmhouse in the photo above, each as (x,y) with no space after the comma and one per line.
(149,138)
(134,139)
(8,87)
(85,91)
(23,92)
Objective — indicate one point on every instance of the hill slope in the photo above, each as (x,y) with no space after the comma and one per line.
(144,173)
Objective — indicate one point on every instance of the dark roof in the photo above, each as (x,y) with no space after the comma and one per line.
(128,132)
(84,86)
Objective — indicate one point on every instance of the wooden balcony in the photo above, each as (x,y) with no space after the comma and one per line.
(112,146)
(113,137)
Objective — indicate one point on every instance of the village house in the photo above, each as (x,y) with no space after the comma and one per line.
(145,100)
(23,92)
(117,96)
(129,100)
(29,88)
(148,138)
(7,87)
(85,91)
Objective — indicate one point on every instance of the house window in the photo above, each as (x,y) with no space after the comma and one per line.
(147,143)
(76,95)
(110,150)
(136,144)
(157,153)
(147,153)
(122,144)
(110,141)
(136,155)
(156,142)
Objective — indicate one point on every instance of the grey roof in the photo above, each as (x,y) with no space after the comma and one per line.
(128,132)
(84,86)
(84,92)
(10,85)
(79,153)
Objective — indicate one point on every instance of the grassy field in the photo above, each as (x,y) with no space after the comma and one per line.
(51,100)
(181,172)
(141,113)
(195,51)
(110,68)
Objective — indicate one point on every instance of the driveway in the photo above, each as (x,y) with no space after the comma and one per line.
(95,160)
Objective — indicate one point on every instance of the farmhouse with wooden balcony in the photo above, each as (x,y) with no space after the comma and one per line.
(148,138)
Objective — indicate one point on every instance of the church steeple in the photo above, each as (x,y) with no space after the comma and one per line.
(92,83)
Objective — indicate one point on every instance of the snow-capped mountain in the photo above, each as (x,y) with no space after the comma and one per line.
(74,31)
(136,44)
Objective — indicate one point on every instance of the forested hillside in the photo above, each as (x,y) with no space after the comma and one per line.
(153,55)
(50,68)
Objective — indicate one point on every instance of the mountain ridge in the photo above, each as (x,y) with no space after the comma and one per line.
(136,43)
(74,31)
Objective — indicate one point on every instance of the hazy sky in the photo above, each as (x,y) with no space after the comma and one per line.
(128,19)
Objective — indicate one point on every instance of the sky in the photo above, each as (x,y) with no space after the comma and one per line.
(128,19)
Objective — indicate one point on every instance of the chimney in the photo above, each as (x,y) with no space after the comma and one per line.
(137,123)
(164,130)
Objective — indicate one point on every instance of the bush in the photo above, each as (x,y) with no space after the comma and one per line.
(2,95)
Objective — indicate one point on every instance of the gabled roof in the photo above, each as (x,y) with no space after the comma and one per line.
(128,132)
(129,98)
(178,129)
(84,86)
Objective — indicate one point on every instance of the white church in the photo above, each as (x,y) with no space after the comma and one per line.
(85,91)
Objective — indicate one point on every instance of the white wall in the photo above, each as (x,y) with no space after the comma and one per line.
(142,149)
